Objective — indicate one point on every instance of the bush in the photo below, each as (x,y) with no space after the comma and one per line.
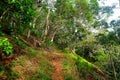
(6,46)
(88,49)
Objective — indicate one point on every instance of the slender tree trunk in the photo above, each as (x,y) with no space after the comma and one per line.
(46,26)
(54,33)
(28,34)
(47,23)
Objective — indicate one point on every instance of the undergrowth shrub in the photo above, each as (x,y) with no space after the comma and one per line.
(18,41)
(8,73)
(89,50)
(6,46)
(70,69)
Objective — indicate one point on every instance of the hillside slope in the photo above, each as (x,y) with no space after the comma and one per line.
(50,65)
(32,62)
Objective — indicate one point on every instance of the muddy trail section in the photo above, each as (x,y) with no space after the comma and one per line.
(57,67)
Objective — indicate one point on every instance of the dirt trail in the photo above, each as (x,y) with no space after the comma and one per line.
(57,67)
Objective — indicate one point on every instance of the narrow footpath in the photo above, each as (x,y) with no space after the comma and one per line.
(57,67)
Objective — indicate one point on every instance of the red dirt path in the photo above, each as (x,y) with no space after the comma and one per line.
(57,67)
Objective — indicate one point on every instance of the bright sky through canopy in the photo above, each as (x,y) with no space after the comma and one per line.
(110,3)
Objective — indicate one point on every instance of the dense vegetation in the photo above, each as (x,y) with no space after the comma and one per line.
(66,25)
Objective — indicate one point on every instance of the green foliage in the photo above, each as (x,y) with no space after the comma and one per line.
(102,59)
(107,39)
(68,77)
(7,71)
(69,69)
(113,60)
(16,14)
(81,62)
(32,53)
(72,36)
(65,8)
(47,43)
(94,6)
(66,22)
(88,49)
(63,19)
(44,71)
(83,66)
(19,42)
(34,66)
(69,11)
(0,26)
(6,45)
